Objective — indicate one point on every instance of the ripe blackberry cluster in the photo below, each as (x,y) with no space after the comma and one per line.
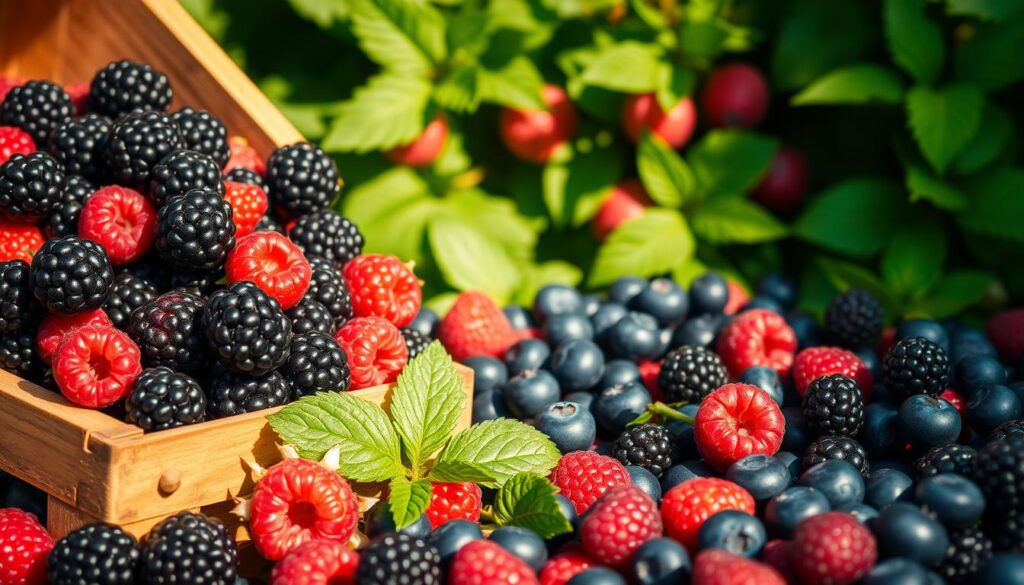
(1007,429)
(833,405)
(194,232)
(301,179)
(137,143)
(854,319)
(247,176)
(125,86)
(329,288)
(182,171)
(689,373)
(415,341)
(190,548)
(309,316)
(63,219)
(204,133)
(95,553)
(916,365)
(18,308)
(969,550)
(30,186)
(168,331)
(649,446)
(837,447)
(128,293)
(37,107)
(327,234)
(999,472)
(71,275)
(948,458)
(163,399)
(316,363)
(246,329)
(18,353)
(399,559)
(78,144)
(231,393)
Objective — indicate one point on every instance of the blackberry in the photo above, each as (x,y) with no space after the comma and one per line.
(163,399)
(301,179)
(182,171)
(268,223)
(916,366)
(397,558)
(246,329)
(127,294)
(833,405)
(316,363)
(137,142)
(415,341)
(169,332)
(309,316)
(18,353)
(854,319)
(649,446)
(230,393)
(247,176)
(71,275)
(327,287)
(999,472)
(203,132)
(63,220)
(95,554)
(200,284)
(18,309)
(832,447)
(969,550)
(1008,428)
(37,107)
(329,235)
(1007,530)
(948,458)
(689,373)
(194,232)
(189,548)
(31,185)
(125,86)
(78,145)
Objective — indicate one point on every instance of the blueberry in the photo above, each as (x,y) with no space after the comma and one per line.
(766,379)
(569,425)
(880,433)
(709,293)
(645,480)
(674,476)
(597,576)
(792,462)
(991,406)
(926,421)
(955,500)
(886,486)
(449,537)
(590,303)
(763,476)
(931,330)
(527,394)
(663,299)
(556,299)
(488,373)
(896,571)
(683,432)
(577,365)
(566,507)
(584,399)
(518,317)
(1002,569)
(736,532)
(607,315)
(618,372)
(766,303)
(489,405)
(795,438)
(625,288)
(779,288)
(559,329)
(699,331)
(425,323)
(968,341)
(861,512)
(870,359)
(700,468)
(787,510)
(808,332)
(618,405)
(903,530)
(528,354)
(636,336)
(523,543)
(380,521)
(661,561)
(978,370)
(840,481)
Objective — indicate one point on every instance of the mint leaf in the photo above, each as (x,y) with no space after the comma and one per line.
(956,292)
(982,58)
(654,243)
(944,120)
(993,135)
(575,189)
(665,175)
(517,234)
(363,432)
(458,471)
(915,41)
(388,111)
(853,84)
(996,204)
(912,263)
(731,161)
(923,185)
(516,84)
(502,448)
(401,35)
(528,500)
(470,259)
(735,220)
(459,91)
(855,217)
(985,9)
(392,210)
(628,67)
(408,500)
(816,37)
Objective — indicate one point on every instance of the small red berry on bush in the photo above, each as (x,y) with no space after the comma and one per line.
(24,548)
(95,366)
(19,241)
(627,201)
(675,127)
(248,205)
(536,135)
(375,349)
(383,286)
(425,149)
(735,421)
(14,141)
(54,327)
(454,501)
(121,220)
(735,95)
(783,186)
(272,262)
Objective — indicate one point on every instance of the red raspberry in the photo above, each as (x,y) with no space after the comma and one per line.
(817,362)
(19,241)
(716,567)
(564,566)
(776,555)
(475,325)
(627,201)
(953,397)
(375,349)
(584,476)
(425,148)
(649,371)
(7,83)
(735,421)
(1006,330)
(757,337)
(24,547)
(738,297)
(685,507)
(735,95)
(454,501)
(643,112)
(619,523)
(537,135)
(782,188)
(79,93)
(14,141)
(832,549)
(54,327)
(121,220)
(886,341)
(96,365)
(272,262)
(317,562)
(244,156)
(298,501)
(248,206)
(383,286)
(482,562)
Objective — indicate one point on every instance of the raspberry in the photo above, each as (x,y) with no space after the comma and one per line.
(375,349)
(63,219)
(37,107)
(136,144)
(816,362)
(1006,331)
(317,562)
(302,179)
(948,458)
(717,567)
(309,316)
(189,548)
(194,232)
(205,133)
(230,393)
(71,275)
(248,205)
(329,289)
(316,363)
(30,186)
(584,476)
(685,507)
(182,171)
(96,365)
(757,337)
(382,286)
(916,366)
(243,156)
(78,145)
(127,294)
(649,446)
(690,373)
(833,406)
(399,559)
(564,566)
(24,546)
(832,447)
(475,325)
(95,553)
(120,220)
(54,327)
(854,319)
(164,399)
(454,501)
(126,86)
(735,421)
(14,141)
(327,234)
(481,561)
(169,333)
(246,329)
(18,310)
(19,241)
(832,549)
(619,523)
(273,263)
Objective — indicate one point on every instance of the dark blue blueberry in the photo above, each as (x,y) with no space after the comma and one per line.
(597,576)
(566,507)
(778,288)
(661,561)
(700,468)
(607,448)
(709,293)
(645,480)
(489,405)
(577,365)
(1002,569)
(763,476)
(618,372)
(766,379)
(787,510)
(933,331)
(880,433)
(559,329)
(488,373)
(683,433)
(886,486)
(898,571)
(584,399)
(870,359)
(519,317)
(968,341)
(425,323)
(523,543)
(449,537)
(903,530)
(839,480)
(606,316)
(1018,389)
(766,303)
(894,464)
(699,331)
(861,512)
(590,303)
(793,463)
(734,531)
(674,476)
(380,521)
(977,370)
(881,393)
(528,354)
(618,405)
(956,501)
(795,438)
(926,421)
(805,326)
(570,426)
(625,288)
(662,299)
(991,406)
(636,336)
(527,394)
(556,299)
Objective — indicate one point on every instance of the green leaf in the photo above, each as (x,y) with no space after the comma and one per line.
(575,189)
(408,500)
(993,136)
(392,211)
(923,185)
(996,206)
(459,91)
(665,175)
(651,16)
(629,67)
(325,13)
(368,444)
(675,83)
(944,120)
(703,39)
(846,275)
(517,234)
(470,259)
(458,471)
(956,292)
(915,41)
(528,500)
(984,59)
(985,9)
(731,161)
(401,35)
(517,84)
(912,263)
(735,220)
(815,37)
(853,84)
(502,448)
(388,111)
(537,276)
(652,244)
(855,217)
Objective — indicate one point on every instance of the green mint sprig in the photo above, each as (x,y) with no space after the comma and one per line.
(661,413)
(528,500)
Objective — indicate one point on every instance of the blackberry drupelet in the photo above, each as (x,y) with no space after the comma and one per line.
(399,559)
(203,132)
(18,353)
(63,220)
(37,107)
(948,458)
(329,235)
(231,393)
(194,232)
(415,341)
(301,179)
(268,223)
(95,554)
(854,319)
(247,176)
(169,332)
(316,363)
(969,550)
(833,405)
(689,373)
(78,145)
(916,366)
(137,142)
(31,185)
(18,308)
(328,287)
(71,275)
(649,446)
(182,171)
(309,316)
(189,548)
(1008,428)
(999,472)
(163,399)
(835,447)
(127,294)
(126,86)
(246,329)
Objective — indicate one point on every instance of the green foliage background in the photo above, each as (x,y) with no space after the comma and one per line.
(906,109)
